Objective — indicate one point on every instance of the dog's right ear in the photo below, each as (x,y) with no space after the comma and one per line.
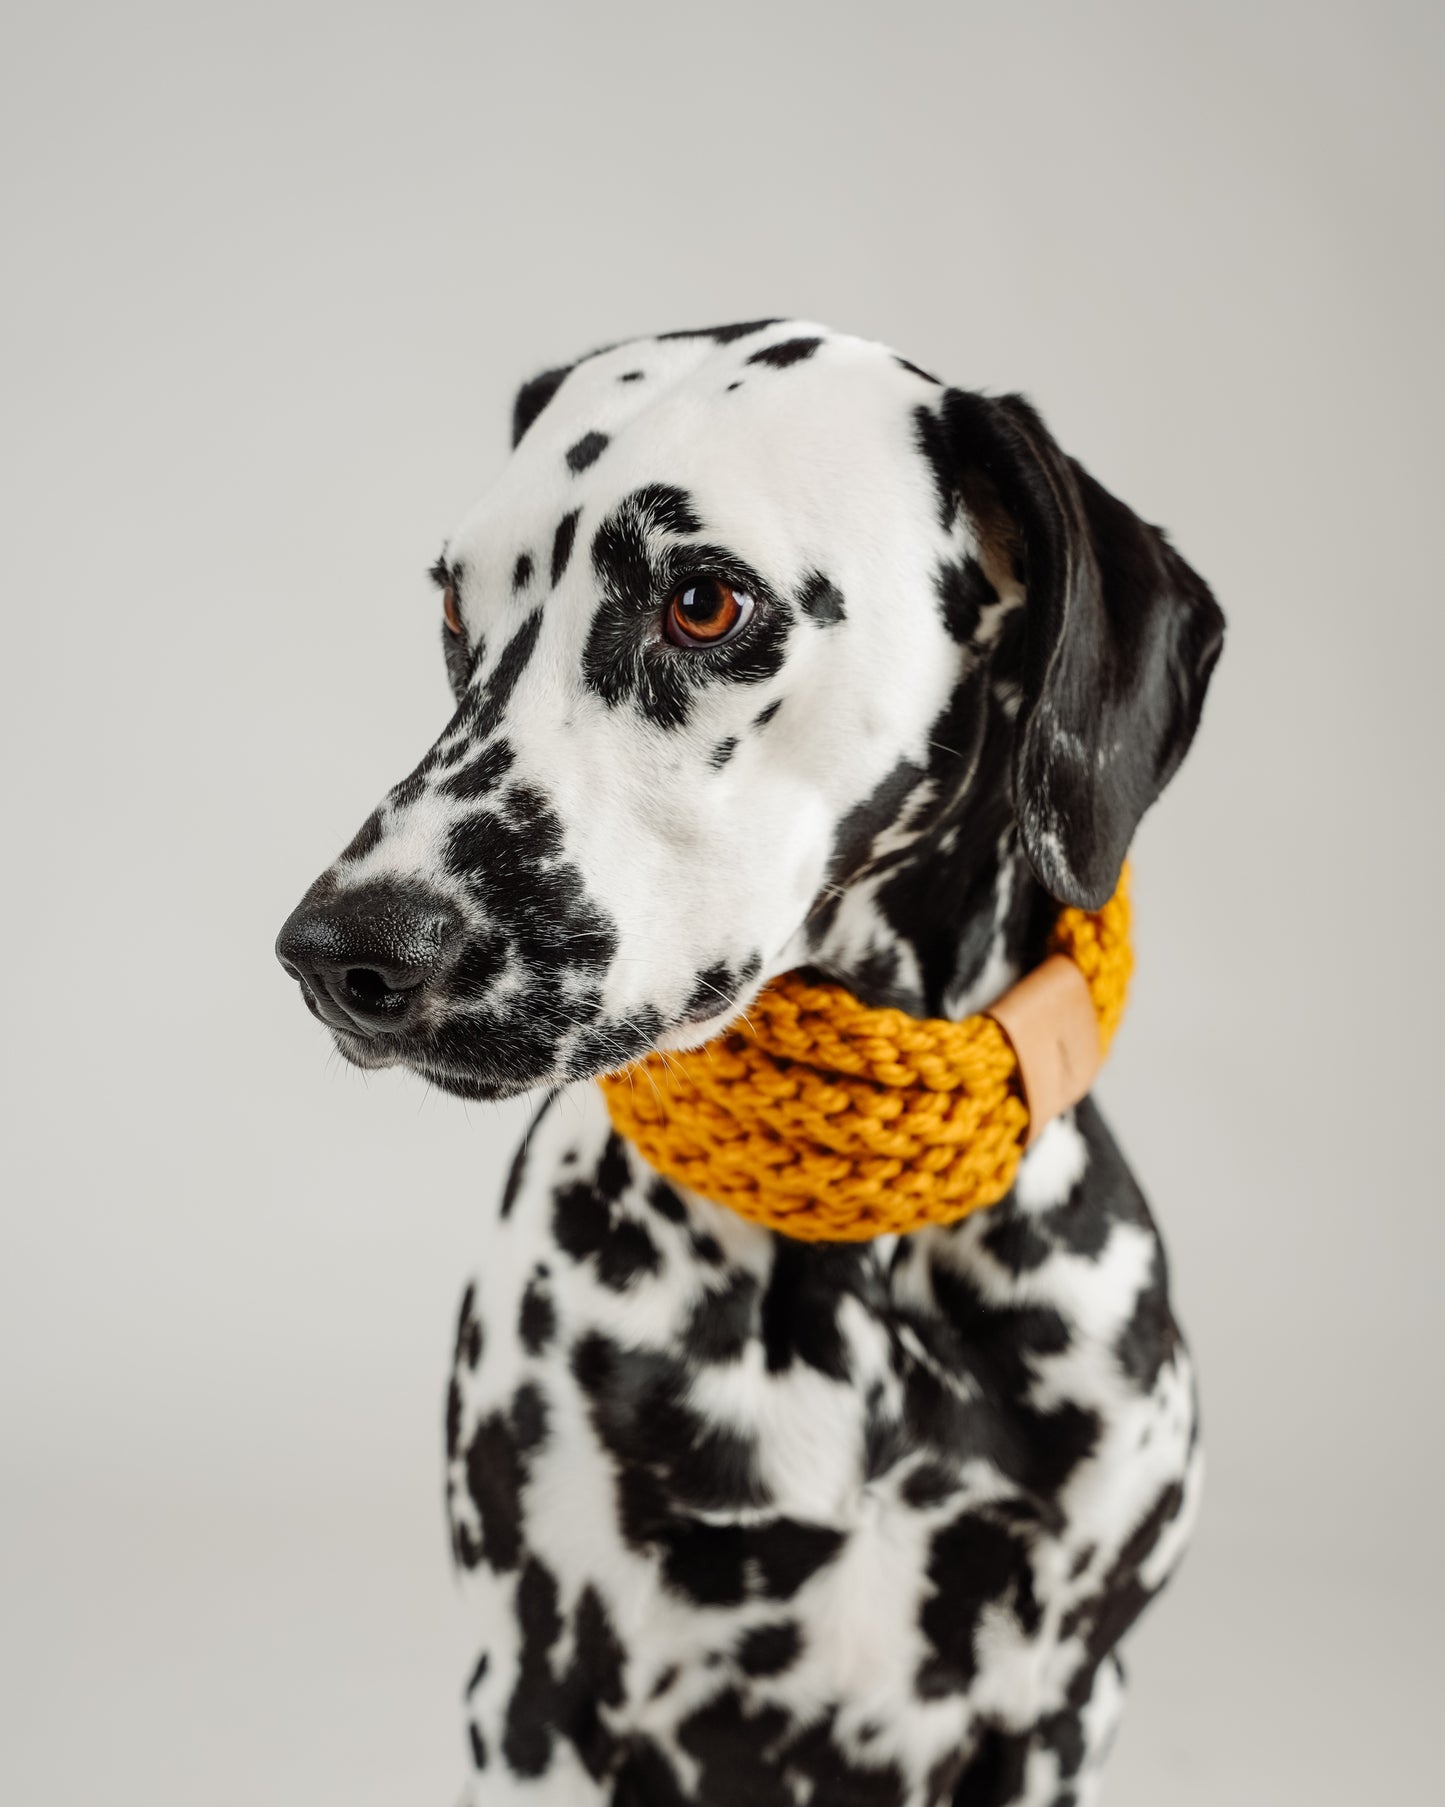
(533,397)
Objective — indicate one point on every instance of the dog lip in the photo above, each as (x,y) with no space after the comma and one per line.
(489,1087)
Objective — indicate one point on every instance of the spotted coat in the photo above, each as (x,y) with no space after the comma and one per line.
(743,1520)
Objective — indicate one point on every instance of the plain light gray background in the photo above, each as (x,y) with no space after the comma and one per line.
(271,274)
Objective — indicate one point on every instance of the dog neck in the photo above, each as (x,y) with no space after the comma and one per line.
(934,909)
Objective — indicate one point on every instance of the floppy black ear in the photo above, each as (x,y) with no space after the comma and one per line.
(1120,638)
(533,397)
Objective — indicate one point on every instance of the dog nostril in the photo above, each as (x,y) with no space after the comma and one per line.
(367,989)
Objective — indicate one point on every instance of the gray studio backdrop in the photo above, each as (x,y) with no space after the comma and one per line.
(271,274)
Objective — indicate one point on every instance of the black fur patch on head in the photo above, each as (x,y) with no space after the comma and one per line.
(539,922)
(365,838)
(821,599)
(717,987)
(480,775)
(722,753)
(964,592)
(721,335)
(562,545)
(638,564)
(486,706)
(533,397)
(522,571)
(787,351)
(933,443)
(632,376)
(588,449)
(764,716)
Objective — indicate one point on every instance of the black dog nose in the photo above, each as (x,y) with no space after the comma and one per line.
(365,958)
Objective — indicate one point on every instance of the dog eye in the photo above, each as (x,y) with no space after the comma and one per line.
(706,613)
(450,612)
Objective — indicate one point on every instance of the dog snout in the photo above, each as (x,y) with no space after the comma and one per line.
(367,959)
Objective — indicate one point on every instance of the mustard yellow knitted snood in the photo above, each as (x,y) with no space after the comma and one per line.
(830,1121)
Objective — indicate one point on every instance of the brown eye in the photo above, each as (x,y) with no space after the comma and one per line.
(450,612)
(706,612)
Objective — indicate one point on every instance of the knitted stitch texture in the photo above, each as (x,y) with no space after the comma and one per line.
(828,1120)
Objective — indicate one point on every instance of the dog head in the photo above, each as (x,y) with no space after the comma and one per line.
(751,616)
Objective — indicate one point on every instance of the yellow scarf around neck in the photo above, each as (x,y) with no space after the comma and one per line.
(831,1121)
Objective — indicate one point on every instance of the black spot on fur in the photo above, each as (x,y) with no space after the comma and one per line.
(533,397)
(522,571)
(665,1202)
(478,1745)
(721,335)
(1150,1337)
(821,600)
(1103,1619)
(587,451)
(998,1345)
(478,1675)
(800,1306)
(730,1743)
(537,1319)
(723,1321)
(469,1330)
(717,987)
(964,592)
(928,1484)
(527,1738)
(637,1403)
(529,1418)
(722,753)
(496,1473)
(486,706)
(913,370)
(996,1772)
(481,775)
(593,1679)
(562,545)
(619,1246)
(972,1563)
(637,565)
(411,790)
(632,376)
(769,1649)
(365,838)
(933,443)
(515,1175)
(764,716)
(787,351)
(454,1417)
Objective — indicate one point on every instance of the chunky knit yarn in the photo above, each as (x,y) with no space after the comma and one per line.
(828,1120)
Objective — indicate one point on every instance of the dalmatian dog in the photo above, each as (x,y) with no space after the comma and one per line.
(771,651)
